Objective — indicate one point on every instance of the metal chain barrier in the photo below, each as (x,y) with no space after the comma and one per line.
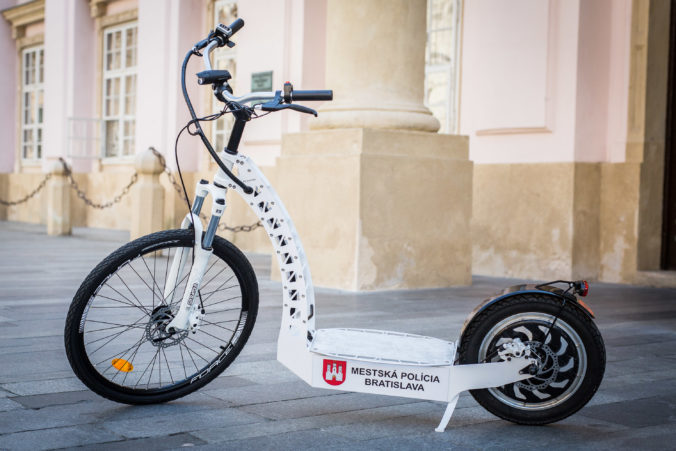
(134,178)
(81,194)
(179,190)
(28,196)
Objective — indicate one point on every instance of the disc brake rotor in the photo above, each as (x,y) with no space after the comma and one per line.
(155,328)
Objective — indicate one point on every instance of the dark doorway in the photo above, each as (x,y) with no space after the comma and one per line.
(669,225)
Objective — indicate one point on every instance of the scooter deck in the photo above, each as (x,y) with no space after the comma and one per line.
(383,347)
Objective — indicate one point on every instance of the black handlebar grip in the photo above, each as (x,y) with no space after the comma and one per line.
(312,95)
(236,26)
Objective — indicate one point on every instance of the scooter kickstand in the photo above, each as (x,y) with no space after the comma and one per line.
(447,414)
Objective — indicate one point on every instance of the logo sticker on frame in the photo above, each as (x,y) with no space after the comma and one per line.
(334,372)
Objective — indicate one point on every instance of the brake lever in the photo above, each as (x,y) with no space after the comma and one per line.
(274,106)
(301,109)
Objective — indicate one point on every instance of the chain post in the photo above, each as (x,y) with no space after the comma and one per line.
(58,200)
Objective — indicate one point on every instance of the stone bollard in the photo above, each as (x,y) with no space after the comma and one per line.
(58,201)
(148,196)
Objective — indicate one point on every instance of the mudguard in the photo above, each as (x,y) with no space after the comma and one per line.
(547,290)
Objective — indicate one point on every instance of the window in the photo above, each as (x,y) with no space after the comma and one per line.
(441,61)
(119,90)
(225,12)
(32,98)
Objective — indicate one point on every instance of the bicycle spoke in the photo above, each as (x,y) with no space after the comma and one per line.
(143,280)
(120,354)
(222,289)
(225,300)
(204,300)
(125,284)
(223,311)
(152,274)
(203,345)
(180,350)
(131,326)
(214,324)
(189,355)
(132,302)
(117,300)
(217,274)
(211,335)
(168,368)
(192,351)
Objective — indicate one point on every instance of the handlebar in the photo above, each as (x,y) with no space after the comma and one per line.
(221,37)
(312,95)
(272,101)
(232,29)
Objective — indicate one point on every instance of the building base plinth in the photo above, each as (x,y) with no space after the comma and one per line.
(380,209)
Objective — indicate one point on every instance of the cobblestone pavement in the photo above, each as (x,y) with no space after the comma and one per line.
(257,404)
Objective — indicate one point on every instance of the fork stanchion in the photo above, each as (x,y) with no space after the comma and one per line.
(58,200)
(148,196)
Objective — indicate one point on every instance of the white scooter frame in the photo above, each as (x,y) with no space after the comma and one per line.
(356,360)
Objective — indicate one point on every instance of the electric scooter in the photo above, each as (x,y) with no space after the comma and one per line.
(165,314)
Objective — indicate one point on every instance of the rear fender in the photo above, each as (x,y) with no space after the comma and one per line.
(545,290)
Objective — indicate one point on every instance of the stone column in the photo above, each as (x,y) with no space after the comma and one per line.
(375,64)
(58,201)
(379,200)
(148,196)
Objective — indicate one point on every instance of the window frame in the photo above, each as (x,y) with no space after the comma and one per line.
(223,126)
(450,69)
(121,74)
(37,89)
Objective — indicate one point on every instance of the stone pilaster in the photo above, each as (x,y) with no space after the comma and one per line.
(379,200)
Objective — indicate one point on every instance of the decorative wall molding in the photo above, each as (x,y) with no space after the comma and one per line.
(547,124)
(23,15)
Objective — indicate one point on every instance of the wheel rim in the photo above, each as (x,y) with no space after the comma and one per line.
(562,360)
(123,324)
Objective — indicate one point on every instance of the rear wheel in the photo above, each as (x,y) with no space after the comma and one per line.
(570,357)
(116,338)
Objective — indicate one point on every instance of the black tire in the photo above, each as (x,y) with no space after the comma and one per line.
(567,378)
(121,288)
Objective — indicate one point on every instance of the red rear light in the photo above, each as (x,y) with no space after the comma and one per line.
(581,287)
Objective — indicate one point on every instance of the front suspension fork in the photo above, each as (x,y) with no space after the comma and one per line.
(189,314)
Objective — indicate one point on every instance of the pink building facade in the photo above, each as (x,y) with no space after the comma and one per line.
(564,103)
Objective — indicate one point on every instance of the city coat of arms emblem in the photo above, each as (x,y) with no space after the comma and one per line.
(334,371)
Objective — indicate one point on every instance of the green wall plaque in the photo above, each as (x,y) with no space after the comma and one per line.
(261,81)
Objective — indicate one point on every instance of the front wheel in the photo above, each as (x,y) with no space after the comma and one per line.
(116,338)
(570,357)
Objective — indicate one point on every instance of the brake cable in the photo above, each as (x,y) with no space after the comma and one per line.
(247,189)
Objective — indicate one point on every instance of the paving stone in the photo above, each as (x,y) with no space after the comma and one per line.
(9,404)
(44,386)
(55,399)
(425,409)
(261,394)
(183,422)
(178,441)
(637,413)
(297,408)
(53,438)
(310,439)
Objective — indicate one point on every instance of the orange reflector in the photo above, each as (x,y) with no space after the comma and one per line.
(122,365)
(586,307)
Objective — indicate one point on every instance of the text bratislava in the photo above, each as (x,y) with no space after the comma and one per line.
(402,380)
